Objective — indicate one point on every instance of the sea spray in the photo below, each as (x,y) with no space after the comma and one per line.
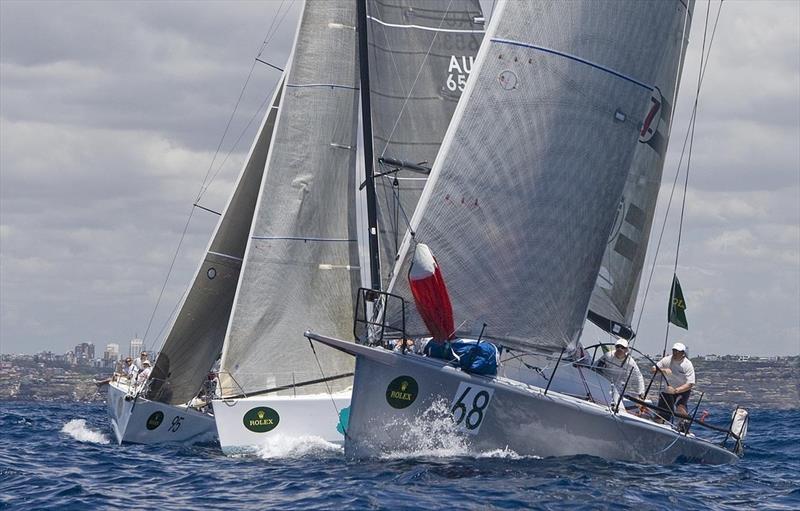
(282,446)
(432,434)
(77,429)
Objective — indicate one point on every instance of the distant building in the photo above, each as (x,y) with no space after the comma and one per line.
(44,356)
(111,353)
(137,346)
(84,354)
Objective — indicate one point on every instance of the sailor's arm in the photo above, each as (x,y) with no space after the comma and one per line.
(680,388)
(664,369)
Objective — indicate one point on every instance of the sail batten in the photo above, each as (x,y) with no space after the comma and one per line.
(614,295)
(521,200)
(197,334)
(420,55)
(296,272)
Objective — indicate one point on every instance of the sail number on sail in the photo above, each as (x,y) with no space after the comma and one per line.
(458,71)
(469,406)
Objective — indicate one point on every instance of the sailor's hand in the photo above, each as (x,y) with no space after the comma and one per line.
(666,371)
(670,389)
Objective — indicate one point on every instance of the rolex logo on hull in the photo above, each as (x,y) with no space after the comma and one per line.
(261,419)
(402,392)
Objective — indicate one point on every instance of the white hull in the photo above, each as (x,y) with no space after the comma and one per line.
(501,414)
(281,416)
(140,421)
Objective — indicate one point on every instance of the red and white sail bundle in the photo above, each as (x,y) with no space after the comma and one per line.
(430,294)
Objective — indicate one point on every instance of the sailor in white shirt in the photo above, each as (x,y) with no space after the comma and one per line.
(679,373)
(144,374)
(617,365)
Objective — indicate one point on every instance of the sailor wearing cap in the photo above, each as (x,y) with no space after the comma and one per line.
(679,373)
(144,374)
(617,365)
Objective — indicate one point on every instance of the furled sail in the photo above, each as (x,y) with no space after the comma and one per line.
(522,197)
(614,295)
(301,264)
(420,55)
(196,337)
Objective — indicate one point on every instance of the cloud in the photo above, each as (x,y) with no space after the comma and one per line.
(111,113)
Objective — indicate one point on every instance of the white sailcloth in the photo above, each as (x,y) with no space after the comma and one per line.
(614,295)
(301,264)
(521,200)
(196,336)
(420,55)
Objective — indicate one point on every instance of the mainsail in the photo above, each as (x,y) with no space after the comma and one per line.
(521,200)
(196,337)
(301,263)
(420,55)
(614,295)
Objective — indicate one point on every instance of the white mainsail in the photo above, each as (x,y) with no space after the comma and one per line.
(614,295)
(521,200)
(301,263)
(197,333)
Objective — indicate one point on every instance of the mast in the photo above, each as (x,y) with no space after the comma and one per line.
(366,122)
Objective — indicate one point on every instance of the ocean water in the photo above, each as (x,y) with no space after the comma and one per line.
(61,456)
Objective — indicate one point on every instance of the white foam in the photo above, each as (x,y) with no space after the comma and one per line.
(434,434)
(77,429)
(281,446)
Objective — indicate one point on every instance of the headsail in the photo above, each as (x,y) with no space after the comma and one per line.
(521,200)
(420,55)
(614,295)
(301,265)
(196,337)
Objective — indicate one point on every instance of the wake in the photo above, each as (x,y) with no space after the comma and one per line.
(77,429)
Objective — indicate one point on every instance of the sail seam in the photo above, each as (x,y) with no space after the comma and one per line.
(331,85)
(430,29)
(302,238)
(576,59)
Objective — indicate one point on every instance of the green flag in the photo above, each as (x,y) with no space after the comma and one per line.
(677,305)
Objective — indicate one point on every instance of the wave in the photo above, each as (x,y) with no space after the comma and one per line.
(282,446)
(434,435)
(77,429)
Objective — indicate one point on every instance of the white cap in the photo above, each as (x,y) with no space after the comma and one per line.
(679,346)
(621,342)
(146,363)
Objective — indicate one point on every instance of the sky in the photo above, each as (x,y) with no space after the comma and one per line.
(111,115)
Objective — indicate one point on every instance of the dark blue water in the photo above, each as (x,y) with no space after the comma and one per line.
(50,459)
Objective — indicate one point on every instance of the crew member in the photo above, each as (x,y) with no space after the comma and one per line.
(617,365)
(144,374)
(679,373)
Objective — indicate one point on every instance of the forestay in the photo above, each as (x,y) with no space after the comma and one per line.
(196,337)
(521,200)
(301,265)
(420,55)
(614,295)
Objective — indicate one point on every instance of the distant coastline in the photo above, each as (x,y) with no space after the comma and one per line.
(728,380)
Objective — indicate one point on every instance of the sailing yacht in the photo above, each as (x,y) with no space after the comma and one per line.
(172,405)
(311,246)
(538,210)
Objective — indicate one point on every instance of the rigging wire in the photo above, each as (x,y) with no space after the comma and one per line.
(272,30)
(689,131)
(416,78)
